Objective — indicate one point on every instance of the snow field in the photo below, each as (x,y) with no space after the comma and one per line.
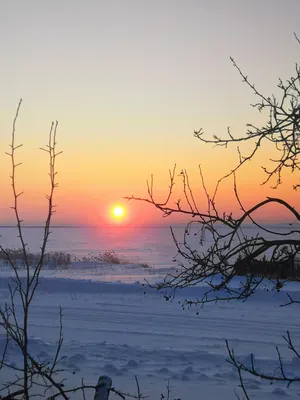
(124,330)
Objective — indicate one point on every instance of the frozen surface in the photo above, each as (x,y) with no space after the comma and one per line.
(121,329)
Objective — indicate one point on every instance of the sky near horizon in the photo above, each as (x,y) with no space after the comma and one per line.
(129,81)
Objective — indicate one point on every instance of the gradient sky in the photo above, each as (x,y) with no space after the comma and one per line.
(129,81)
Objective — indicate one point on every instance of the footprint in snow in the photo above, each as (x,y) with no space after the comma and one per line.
(280,392)
(131,364)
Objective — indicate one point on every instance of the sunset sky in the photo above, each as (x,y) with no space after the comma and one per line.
(129,81)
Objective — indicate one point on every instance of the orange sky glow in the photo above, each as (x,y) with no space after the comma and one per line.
(129,85)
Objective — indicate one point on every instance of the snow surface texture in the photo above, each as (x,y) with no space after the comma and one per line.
(121,329)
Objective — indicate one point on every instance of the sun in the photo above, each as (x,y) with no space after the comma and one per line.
(118,212)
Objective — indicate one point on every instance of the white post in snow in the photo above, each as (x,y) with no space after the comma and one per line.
(102,388)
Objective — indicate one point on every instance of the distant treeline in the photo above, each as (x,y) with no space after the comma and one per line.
(60,259)
(281,269)
(52,259)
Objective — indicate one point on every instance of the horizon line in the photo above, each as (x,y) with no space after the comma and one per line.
(93,226)
(129,226)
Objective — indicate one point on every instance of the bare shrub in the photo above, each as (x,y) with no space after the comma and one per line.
(110,257)
(31,376)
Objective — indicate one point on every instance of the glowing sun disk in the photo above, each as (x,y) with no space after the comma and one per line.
(118,211)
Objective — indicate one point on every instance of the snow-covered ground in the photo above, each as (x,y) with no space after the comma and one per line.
(116,327)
